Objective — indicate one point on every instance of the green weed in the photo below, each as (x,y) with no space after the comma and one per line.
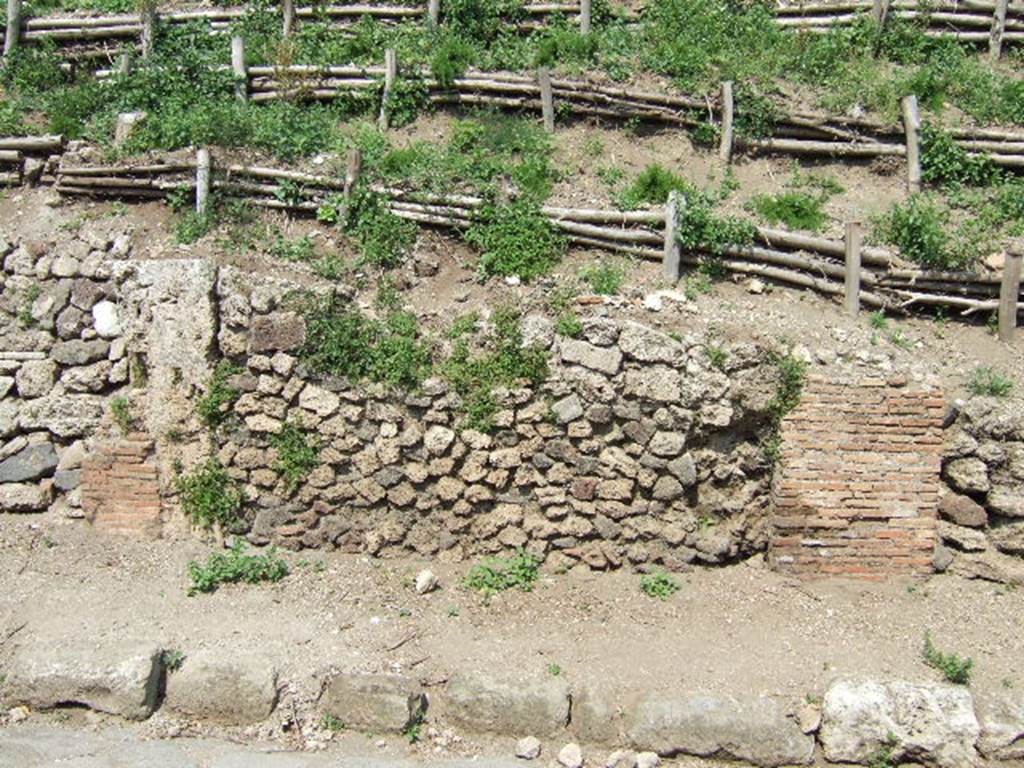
(331,723)
(121,410)
(516,240)
(659,584)
(298,454)
(568,324)
(235,567)
(215,405)
(796,209)
(209,496)
(954,668)
(604,279)
(497,575)
(989,382)
(652,187)
(172,659)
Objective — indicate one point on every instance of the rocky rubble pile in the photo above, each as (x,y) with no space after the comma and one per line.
(63,356)
(635,450)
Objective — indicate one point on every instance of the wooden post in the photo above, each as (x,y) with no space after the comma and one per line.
(433,12)
(911,125)
(390,74)
(13,30)
(725,140)
(353,169)
(995,35)
(547,99)
(148,19)
(1009,291)
(585,8)
(202,181)
(672,258)
(854,239)
(880,11)
(124,63)
(288,20)
(238,67)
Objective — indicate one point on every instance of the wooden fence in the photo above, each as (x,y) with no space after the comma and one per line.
(862,275)
(992,22)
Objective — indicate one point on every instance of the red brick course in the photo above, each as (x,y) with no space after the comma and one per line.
(858,489)
(121,487)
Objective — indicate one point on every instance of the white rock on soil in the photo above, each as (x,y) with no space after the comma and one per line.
(426,581)
(528,748)
(924,722)
(571,756)
(621,758)
(647,760)
(105,320)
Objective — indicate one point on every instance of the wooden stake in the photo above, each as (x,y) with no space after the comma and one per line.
(725,141)
(854,239)
(238,67)
(911,125)
(124,63)
(148,19)
(671,259)
(995,36)
(880,11)
(390,74)
(547,99)
(353,169)
(13,32)
(1009,290)
(433,12)
(202,181)
(585,8)
(288,21)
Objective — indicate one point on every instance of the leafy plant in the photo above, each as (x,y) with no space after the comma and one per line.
(497,575)
(943,161)
(568,324)
(502,361)
(121,410)
(516,240)
(988,381)
(214,406)
(878,320)
(916,228)
(413,730)
(652,187)
(331,723)
(209,496)
(658,584)
(796,209)
(604,279)
(172,659)
(235,567)
(554,670)
(297,454)
(383,238)
(343,341)
(954,668)
(717,357)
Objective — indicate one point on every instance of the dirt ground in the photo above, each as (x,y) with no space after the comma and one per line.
(740,630)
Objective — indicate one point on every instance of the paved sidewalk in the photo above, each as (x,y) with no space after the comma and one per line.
(41,747)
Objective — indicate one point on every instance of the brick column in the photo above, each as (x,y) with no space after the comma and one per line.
(858,488)
(121,488)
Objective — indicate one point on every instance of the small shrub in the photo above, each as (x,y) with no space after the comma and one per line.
(332,723)
(568,324)
(604,279)
(717,357)
(497,575)
(795,209)
(343,341)
(193,225)
(235,567)
(172,659)
(516,240)
(791,372)
(954,668)
(297,454)
(121,410)
(214,406)
(383,237)
(987,381)
(943,161)
(659,585)
(503,361)
(917,229)
(25,318)
(878,320)
(652,187)
(413,731)
(208,495)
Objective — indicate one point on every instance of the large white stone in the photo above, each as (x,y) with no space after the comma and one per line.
(105,320)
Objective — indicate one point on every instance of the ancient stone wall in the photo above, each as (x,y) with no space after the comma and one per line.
(635,450)
(859,480)
(63,357)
